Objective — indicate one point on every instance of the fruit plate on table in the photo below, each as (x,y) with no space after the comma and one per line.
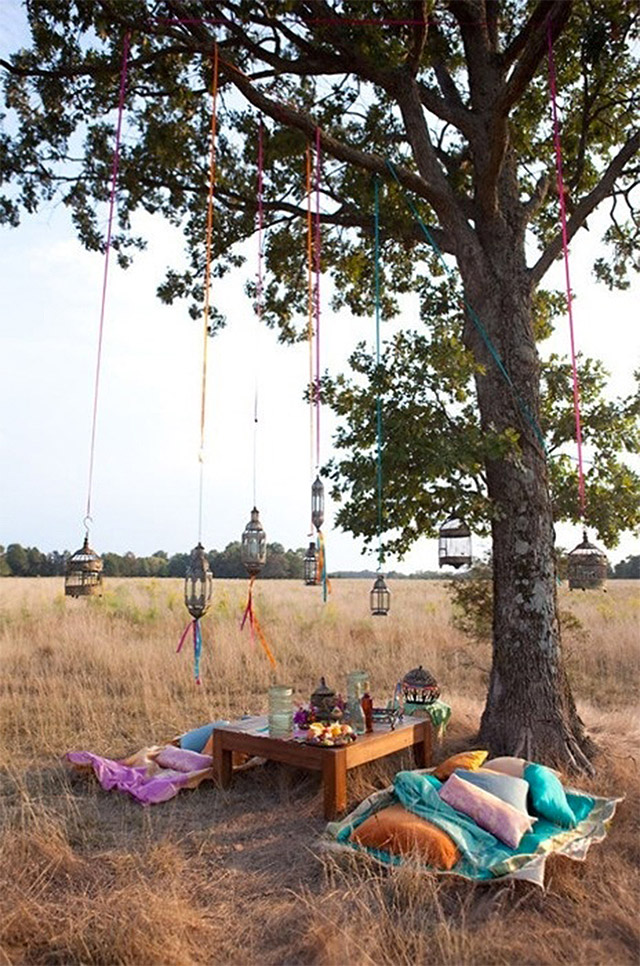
(333,735)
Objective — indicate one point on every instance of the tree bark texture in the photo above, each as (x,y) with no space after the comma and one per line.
(530,711)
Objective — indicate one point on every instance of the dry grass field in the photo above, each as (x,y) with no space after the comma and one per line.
(236,877)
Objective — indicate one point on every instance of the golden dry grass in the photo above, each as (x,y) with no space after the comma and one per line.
(236,877)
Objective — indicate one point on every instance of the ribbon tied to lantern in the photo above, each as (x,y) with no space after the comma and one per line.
(322,567)
(193,625)
(254,624)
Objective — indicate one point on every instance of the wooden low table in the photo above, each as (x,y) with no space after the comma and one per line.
(251,737)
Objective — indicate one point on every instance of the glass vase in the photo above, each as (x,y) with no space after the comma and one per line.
(280,711)
(357,682)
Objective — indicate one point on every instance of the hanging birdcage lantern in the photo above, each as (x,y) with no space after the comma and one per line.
(198,583)
(587,566)
(254,545)
(311,565)
(454,543)
(83,574)
(379,598)
(317,503)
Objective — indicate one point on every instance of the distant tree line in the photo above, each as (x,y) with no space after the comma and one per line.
(19,561)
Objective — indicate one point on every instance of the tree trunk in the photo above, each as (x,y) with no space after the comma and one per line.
(530,711)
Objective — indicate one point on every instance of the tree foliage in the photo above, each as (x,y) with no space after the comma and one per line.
(407,89)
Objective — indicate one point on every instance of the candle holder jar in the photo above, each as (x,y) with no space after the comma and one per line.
(280,711)
(357,686)
(357,679)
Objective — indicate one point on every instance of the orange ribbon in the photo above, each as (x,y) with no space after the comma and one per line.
(254,625)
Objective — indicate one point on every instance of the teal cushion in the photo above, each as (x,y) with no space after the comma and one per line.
(435,782)
(508,788)
(547,796)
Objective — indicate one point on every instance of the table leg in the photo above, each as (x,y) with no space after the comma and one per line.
(222,761)
(423,749)
(334,777)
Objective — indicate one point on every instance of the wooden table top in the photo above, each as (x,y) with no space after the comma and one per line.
(252,735)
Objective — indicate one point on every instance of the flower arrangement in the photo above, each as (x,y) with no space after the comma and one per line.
(330,735)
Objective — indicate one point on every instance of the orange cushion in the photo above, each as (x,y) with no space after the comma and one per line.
(397,830)
(470,760)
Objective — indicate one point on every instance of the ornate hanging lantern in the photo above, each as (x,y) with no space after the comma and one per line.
(311,566)
(317,503)
(198,583)
(254,545)
(586,566)
(83,575)
(379,598)
(454,543)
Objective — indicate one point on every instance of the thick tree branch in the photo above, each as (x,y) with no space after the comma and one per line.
(584,208)
(435,194)
(420,13)
(492,13)
(343,217)
(517,45)
(475,39)
(556,14)
(443,199)
(533,205)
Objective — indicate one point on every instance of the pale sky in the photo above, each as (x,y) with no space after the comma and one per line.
(145,494)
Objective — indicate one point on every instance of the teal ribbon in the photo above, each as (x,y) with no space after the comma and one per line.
(197,649)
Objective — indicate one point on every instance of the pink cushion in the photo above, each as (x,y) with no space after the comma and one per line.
(182,760)
(489,812)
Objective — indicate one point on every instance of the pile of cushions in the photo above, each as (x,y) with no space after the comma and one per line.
(503,796)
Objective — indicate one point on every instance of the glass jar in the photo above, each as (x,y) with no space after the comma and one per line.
(357,679)
(357,685)
(280,711)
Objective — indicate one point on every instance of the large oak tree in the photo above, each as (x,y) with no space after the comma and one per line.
(455,95)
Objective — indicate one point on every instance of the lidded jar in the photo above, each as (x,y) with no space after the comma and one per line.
(323,700)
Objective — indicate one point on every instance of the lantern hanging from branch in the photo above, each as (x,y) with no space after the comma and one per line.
(198,583)
(379,598)
(317,503)
(586,566)
(454,543)
(311,565)
(254,545)
(83,574)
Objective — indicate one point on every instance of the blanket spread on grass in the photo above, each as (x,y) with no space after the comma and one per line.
(140,775)
(483,856)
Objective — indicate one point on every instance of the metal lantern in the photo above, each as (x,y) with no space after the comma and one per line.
(323,701)
(198,583)
(317,503)
(83,575)
(419,687)
(311,566)
(454,543)
(379,598)
(586,566)
(254,545)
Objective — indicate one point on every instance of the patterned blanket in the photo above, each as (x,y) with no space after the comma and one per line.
(483,857)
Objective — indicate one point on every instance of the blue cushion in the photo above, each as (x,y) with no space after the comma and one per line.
(196,740)
(547,797)
(510,789)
